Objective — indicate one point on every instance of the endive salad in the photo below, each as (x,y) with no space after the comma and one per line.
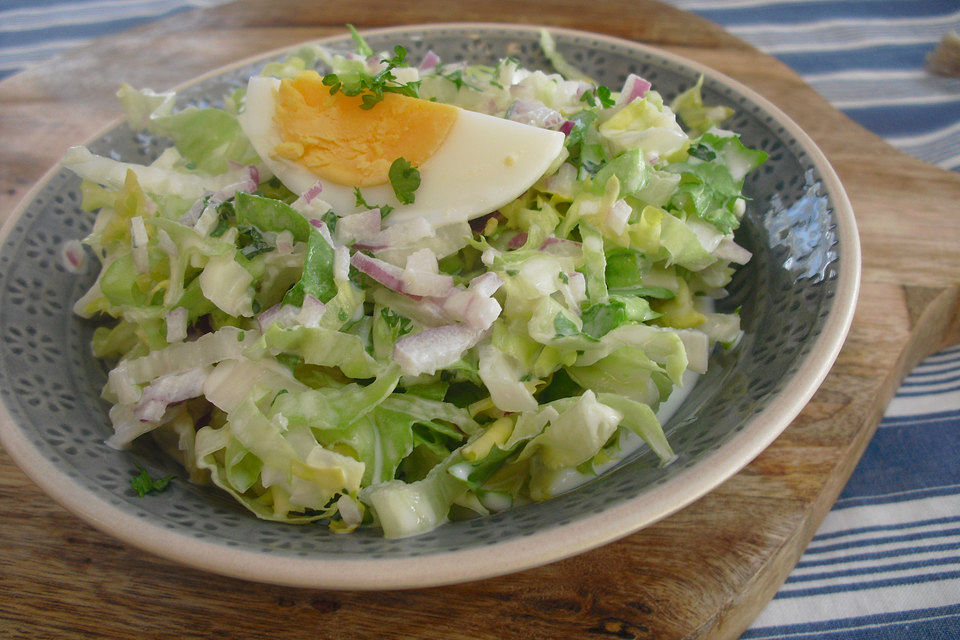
(325,302)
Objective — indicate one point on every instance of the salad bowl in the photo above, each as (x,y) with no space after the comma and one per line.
(796,299)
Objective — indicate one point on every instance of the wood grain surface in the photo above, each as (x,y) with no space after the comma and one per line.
(705,572)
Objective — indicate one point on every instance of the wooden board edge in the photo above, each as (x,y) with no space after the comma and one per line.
(935,324)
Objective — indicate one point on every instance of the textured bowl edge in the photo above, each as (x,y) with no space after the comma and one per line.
(514,555)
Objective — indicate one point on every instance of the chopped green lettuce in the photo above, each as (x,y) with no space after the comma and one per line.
(266,351)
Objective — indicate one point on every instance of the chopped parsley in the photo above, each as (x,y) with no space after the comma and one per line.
(279,393)
(251,242)
(405,179)
(144,484)
(702,152)
(398,323)
(372,88)
(602,94)
(360,202)
(456,77)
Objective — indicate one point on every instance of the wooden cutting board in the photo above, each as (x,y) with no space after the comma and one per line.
(705,572)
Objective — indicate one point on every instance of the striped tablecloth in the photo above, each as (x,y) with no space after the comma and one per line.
(885,563)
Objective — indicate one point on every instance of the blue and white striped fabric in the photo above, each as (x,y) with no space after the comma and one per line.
(866,57)
(886,561)
(32,30)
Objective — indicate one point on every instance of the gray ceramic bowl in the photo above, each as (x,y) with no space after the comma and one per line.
(797,297)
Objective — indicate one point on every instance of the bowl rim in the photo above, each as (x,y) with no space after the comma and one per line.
(512,555)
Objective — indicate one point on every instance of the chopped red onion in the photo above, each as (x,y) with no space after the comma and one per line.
(192,214)
(475,306)
(534,113)
(517,241)
(424,261)
(369,246)
(324,231)
(434,285)
(313,192)
(166,390)
(309,204)
(435,348)
(486,284)
(422,277)
(253,181)
(566,127)
(72,256)
(477,225)
(633,87)
(210,200)
(362,227)
(430,60)
(310,312)
(390,276)
(285,314)
(561,247)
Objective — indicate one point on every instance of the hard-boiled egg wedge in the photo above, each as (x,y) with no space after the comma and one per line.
(470,164)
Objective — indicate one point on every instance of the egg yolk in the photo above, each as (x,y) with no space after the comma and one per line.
(338,141)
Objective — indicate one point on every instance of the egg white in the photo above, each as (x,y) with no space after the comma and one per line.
(484,163)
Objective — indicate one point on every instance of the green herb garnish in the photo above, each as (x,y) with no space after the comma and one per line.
(279,393)
(602,94)
(405,179)
(251,242)
(372,88)
(144,484)
(360,202)
(702,152)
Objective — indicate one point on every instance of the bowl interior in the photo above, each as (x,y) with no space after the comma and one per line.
(50,382)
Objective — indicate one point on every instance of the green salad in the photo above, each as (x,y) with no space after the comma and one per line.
(370,363)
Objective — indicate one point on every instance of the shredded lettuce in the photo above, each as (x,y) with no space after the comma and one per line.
(323,368)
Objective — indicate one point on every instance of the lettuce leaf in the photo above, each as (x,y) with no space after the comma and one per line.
(207,138)
(697,116)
